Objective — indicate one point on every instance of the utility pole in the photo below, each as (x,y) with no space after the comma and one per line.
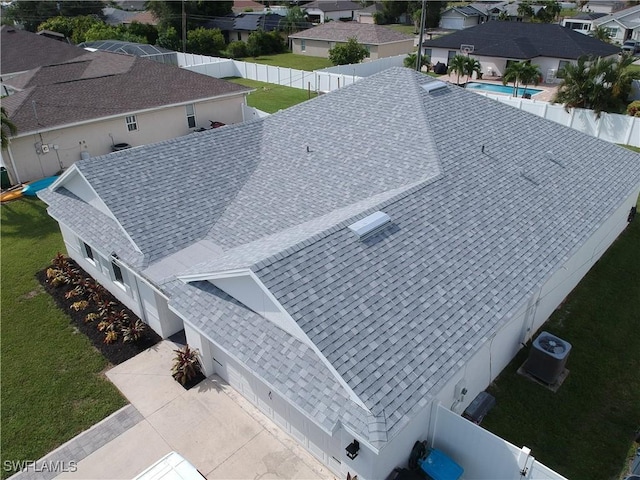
(423,18)
(184,29)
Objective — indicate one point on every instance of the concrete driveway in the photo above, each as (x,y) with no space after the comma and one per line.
(218,431)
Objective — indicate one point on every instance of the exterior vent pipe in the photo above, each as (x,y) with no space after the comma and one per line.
(370,223)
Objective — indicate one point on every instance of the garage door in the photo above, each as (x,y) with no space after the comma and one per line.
(452,23)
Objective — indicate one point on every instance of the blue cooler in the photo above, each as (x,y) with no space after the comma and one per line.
(440,467)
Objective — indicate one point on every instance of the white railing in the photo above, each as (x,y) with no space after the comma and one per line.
(250,113)
(483,454)
(612,127)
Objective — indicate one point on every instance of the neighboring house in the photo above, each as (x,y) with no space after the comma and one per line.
(143,17)
(623,25)
(604,6)
(583,22)
(350,282)
(21,51)
(495,44)
(240,6)
(366,15)
(84,106)
(240,26)
(379,40)
(321,11)
(457,18)
(117,16)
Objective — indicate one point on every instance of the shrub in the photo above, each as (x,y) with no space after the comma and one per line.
(348,53)
(186,364)
(263,43)
(633,109)
(237,49)
(205,41)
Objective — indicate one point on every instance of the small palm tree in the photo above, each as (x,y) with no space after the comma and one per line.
(8,127)
(521,72)
(458,65)
(471,66)
(530,74)
(602,34)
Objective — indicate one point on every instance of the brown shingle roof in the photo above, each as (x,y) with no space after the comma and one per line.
(21,51)
(343,31)
(106,84)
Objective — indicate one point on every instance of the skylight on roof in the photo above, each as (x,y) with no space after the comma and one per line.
(370,223)
(434,86)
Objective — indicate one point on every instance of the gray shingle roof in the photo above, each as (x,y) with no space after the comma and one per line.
(101,84)
(398,313)
(629,17)
(521,40)
(342,31)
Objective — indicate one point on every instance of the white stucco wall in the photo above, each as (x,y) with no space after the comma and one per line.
(96,138)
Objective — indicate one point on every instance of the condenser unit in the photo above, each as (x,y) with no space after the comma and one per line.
(547,358)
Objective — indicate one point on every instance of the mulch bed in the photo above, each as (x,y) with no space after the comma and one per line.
(193,382)
(116,352)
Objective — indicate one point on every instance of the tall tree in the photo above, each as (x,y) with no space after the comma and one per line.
(458,65)
(294,21)
(549,11)
(8,127)
(169,13)
(32,13)
(348,53)
(205,41)
(518,72)
(602,85)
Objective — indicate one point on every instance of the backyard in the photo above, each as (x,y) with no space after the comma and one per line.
(52,382)
(584,431)
(269,97)
(292,60)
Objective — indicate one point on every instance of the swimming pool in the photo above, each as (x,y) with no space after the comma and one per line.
(504,89)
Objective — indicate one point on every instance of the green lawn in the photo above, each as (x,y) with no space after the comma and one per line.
(292,60)
(269,97)
(402,28)
(584,431)
(52,387)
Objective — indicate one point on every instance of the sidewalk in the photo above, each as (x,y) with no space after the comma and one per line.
(211,425)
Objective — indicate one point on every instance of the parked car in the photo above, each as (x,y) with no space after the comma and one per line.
(631,46)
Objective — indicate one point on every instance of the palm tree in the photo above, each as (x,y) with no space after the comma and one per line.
(8,127)
(472,65)
(602,85)
(602,34)
(294,21)
(412,59)
(513,73)
(529,74)
(458,65)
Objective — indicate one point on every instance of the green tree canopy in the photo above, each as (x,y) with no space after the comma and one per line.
(524,73)
(205,41)
(412,60)
(602,84)
(294,21)
(169,13)
(74,28)
(33,13)
(102,31)
(263,43)
(8,127)
(348,53)
(458,65)
(168,38)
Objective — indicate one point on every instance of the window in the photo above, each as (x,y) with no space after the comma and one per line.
(561,65)
(88,252)
(612,31)
(427,53)
(303,45)
(451,54)
(368,47)
(239,36)
(132,123)
(117,273)
(191,116)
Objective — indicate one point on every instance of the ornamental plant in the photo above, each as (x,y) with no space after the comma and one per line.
(186,364)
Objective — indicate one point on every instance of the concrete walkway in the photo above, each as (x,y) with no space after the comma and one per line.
(211,425)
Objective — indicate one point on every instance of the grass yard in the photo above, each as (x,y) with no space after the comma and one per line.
(584,431)
(52,387)
(269,97)
(402,28)
(292,60)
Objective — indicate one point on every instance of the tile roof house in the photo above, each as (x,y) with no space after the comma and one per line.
(86,105)
(380,41)
(459,17)
(622,25)
(583,22)
(321,11)
(550,46)
(346,284)
(240,26)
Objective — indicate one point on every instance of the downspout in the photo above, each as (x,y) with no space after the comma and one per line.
(13,164)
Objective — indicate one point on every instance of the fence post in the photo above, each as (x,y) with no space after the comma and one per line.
(278,75)
(290,76)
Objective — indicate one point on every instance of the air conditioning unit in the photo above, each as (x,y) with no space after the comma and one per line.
(547,358)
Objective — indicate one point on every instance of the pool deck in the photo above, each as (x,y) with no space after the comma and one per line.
(546,95)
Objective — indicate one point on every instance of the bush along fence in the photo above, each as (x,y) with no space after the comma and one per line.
(112,328)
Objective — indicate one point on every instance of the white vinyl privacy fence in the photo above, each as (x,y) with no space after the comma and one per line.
(611,127)
(483,455)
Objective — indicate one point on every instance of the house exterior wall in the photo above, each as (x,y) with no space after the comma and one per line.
(456,21)
(320,48)
(617,33)
(365,18)
(581,26)
(67,144)
(325,16)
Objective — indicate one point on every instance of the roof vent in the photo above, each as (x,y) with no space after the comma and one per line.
(434,86)
(553,158)
(370,224)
